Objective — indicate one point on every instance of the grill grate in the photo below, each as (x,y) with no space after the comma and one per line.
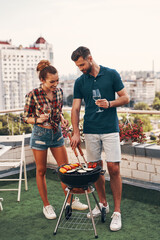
(78,221)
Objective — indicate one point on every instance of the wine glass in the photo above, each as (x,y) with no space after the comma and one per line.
(47,111)
(96,96)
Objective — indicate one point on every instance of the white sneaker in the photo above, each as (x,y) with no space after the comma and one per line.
(116,223)
(77,205)
(49,212)
(96,212)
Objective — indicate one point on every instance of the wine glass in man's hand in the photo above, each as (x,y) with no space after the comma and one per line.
(96,96)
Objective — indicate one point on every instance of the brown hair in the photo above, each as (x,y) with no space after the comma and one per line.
(45,67)
(80,52)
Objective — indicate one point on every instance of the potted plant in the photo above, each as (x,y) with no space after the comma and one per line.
(132,132)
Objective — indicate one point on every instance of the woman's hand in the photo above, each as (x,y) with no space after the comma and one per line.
(43,118)
(64,122)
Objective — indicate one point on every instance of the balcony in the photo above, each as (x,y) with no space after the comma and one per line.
(140,170)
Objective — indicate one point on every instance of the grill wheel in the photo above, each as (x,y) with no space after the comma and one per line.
(103,215)
(68,212)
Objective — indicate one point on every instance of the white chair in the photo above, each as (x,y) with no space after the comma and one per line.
(1,207)
(14,163)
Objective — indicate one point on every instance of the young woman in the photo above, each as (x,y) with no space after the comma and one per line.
(43,108)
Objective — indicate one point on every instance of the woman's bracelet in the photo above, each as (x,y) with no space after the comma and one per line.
(109,105)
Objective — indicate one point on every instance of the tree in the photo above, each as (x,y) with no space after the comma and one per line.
(26,128)
(157,95)
(10,124)
(67,116)
(156,103)
(4,131)
(3,120)
(141,106)
(70,100)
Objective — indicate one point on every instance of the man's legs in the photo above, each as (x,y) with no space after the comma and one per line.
(100,187)
(111,144)
(94,149)
(116,184)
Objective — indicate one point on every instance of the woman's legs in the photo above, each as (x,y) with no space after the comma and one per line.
(41,161)
(60,154)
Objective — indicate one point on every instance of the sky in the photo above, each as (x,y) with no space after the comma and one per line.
(121,34)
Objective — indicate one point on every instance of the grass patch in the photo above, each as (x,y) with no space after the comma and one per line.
(25,220)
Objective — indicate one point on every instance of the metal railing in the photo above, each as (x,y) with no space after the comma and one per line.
(155,121)
(119,110)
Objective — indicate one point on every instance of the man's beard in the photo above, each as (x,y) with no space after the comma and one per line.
(87,71)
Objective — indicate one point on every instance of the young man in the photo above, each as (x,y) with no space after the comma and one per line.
(100,126)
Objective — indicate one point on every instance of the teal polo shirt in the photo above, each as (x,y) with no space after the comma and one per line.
(108,81)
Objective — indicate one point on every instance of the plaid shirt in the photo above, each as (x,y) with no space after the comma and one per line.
(34,105)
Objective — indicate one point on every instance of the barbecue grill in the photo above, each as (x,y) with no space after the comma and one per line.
(81,181)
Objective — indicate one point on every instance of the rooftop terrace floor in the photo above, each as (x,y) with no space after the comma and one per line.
(25,220)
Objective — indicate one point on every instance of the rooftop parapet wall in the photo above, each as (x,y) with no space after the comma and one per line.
(144,150)
(139,162)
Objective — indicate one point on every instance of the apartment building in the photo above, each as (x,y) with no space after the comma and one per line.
(157,84)
(67,86)
(18,70)
(141,90)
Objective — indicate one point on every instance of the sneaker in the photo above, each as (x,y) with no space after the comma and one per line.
(116,223)
(96,212)
(49,212)
(77,205)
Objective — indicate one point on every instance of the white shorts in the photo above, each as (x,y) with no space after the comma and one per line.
(110,142)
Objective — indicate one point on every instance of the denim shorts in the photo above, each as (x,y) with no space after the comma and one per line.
(109,142)
(44,138)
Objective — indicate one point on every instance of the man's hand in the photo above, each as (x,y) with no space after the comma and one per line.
(103,103)
(75,140)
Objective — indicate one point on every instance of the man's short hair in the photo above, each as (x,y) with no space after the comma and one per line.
(80,52)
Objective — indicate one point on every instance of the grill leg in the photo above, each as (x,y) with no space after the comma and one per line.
(89,205)
(96,201)
(60,216)
(71,200)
